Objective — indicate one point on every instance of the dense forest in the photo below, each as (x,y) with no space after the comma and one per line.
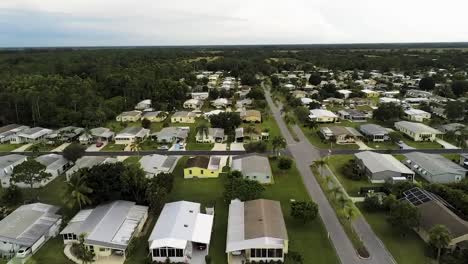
(86,87)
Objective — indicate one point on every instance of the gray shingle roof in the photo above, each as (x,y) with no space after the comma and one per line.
(7,160)
(372,129)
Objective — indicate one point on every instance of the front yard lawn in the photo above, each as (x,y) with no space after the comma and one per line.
(8,147)
(199,146)
(421,145)
(408,249)
(51,252)
(43,147)
(352,187)
(113,147)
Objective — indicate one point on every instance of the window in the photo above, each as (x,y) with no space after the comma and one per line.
(279,252)
(201,171)
(271,253)
(264,253)
(156,252)
(171,252)
(179,252)
(252,252)
(102,249)
(258,253)
(163,252)
(190,171)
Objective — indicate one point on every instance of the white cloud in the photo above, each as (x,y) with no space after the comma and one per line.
(188,22)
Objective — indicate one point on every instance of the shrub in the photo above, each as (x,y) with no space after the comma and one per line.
(284,163)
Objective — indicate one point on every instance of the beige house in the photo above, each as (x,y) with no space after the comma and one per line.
(130,135)
(130,116)
(417,131)
(251,116)
(322,116)
(256,232)
(183,117)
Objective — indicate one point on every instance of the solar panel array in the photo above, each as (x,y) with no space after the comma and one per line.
(417,196)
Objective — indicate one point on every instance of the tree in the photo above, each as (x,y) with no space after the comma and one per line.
(213,94)
(77,190)
(73,152)
(284,163)
(83,253)
(134,183)
(256,93)
(105,181)
(242,189)
(320,164)
(29,172)
(454,110)
(302,114)
(315,79)
(146,123)
(427,84)
(277,143)
(259,147)
(12,196)
(459,88)
(388,112)
(304,210)
(156,195)
(404,215)
(439,237)
(372,203)
(136,145)
(229,121)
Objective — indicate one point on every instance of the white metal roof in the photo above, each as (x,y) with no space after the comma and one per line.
(179,223)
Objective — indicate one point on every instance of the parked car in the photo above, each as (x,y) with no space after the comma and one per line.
(163,147)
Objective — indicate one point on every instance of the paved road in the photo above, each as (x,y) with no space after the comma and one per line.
(146,152)
(304,154)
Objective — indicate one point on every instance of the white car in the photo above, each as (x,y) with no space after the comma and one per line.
(23,252)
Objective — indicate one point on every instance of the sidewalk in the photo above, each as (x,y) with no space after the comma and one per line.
(61,147)
(445,144)
(22,148)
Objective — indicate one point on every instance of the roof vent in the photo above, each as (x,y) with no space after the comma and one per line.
(191,211)
(185,225)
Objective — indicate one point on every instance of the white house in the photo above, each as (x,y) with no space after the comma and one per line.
(417,131)
(172,134)
(7,164)
(416,115)
(131,134)
(30,135)
(220,103)
(55,164)
(193,104)
(211,135)
(387,100)
(9,131)
(345,93)
(108,228)
(200,95)
(182,233)
(129,116)
(145,104)
(322,116)
(154,164)
(98,134)
(253,167)
(256,232)
(29,226)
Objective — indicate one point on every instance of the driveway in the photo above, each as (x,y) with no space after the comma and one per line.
(445,144)
(61,147)
(22,148)
(362,145)
(220,147)
(237,146)
(93,148)
(304,154)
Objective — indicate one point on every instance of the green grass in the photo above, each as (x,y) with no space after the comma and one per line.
(421,145)
(140,253)
(382,145)
(51,252)
(132,160)
(453,157)
(409,249)
(304,238)
(199,146)
(268,123)
(151,145)
(352,187)
(114,147)
(44,147)
(8,147)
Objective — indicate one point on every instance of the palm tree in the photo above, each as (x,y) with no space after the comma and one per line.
(320,164)
(136,146)
(349,210)
(278,143)
(342,201)
(328,180)
(439,237)
(335,191)
(78,190)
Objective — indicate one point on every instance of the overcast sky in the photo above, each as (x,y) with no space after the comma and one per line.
(221,22)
